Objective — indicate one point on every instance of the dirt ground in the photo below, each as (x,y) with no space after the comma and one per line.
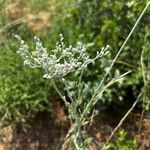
(48,130)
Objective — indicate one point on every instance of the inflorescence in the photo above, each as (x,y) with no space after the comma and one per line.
(62,61)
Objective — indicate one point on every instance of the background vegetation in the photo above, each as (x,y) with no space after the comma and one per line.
(23,92)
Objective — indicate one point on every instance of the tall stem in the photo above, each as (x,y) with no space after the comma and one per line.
(114,60)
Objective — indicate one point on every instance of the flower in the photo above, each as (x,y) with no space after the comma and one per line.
(62,61)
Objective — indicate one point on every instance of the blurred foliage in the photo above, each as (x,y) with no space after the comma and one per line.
(122,143)
(145,67)
(92,22)
(22,92)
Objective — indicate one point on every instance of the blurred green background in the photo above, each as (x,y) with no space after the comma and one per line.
(23,92)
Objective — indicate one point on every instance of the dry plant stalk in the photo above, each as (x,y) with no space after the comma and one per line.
(121,121)
(39,22)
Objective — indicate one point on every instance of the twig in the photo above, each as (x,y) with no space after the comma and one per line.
(122,120)
(67,138)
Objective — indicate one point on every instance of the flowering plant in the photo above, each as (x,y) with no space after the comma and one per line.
(62,61)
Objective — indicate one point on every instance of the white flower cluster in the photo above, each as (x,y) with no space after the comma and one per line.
(62,61)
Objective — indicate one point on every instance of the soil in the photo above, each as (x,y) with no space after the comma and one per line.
(48,130)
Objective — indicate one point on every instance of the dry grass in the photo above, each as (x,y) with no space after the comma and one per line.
(16,11)
(21,13)
(38,22)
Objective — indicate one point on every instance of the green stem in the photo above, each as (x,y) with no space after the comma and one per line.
(74,110)
(79,85)
(59,93)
